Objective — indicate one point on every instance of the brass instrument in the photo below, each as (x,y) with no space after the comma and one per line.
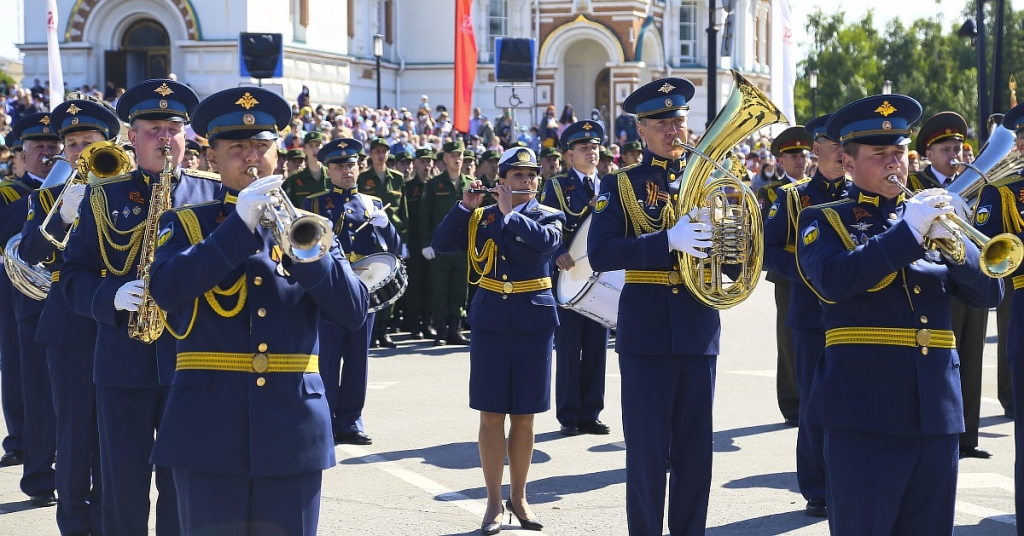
(737,233)
(997,160)
(147,323)
(1000,255)
(304,236)
(100,160)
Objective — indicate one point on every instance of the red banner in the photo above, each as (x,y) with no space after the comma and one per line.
(465,64)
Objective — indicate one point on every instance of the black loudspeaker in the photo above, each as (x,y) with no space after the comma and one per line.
(513,59)
(261,53)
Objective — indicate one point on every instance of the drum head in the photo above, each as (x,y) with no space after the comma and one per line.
(374,270)
(571,283)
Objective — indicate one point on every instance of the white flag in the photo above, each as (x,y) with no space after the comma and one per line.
(783,61)
(53,53)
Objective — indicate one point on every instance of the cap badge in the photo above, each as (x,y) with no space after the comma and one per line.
(248,119)
(523,156)
(73,110)
(666,88)
(164,90)
(342,145)
(587,126)
(45,120)
(247,101)
(886,125)
(885,109)
(668,102)
(46,130)
(949,131)
(74,121)
(162,104)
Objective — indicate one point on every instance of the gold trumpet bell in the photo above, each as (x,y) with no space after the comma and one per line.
(1001,255)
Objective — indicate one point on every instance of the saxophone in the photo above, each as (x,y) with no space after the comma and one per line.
(147,324)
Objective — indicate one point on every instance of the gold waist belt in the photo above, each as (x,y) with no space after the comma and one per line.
(55,276)
(930,338)
(353,257)
(1018,282)
(258,363)
(652,277)
(515,287)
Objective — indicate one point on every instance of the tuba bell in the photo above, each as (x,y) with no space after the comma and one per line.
(997,160)
(737,229)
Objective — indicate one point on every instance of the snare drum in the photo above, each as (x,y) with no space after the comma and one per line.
(384,277)
(594,295)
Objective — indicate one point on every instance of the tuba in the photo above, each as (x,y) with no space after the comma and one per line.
(997,160)
(737,229)
(304,236)
(100,160)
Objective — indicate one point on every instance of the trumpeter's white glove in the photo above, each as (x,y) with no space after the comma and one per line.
(921,210)
(254,198)
(960,206)
(691,234)
(428,253)
(129,296)
(73,195)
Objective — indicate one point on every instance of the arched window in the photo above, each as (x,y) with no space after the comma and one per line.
(145,33)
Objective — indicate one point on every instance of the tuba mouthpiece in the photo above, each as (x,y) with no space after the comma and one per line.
(677,142)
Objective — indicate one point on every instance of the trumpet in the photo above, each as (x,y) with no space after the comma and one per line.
(1000,255)
(493,190)
(304,236)
(100,160)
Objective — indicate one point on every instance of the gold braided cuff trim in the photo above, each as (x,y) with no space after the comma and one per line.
(650,277)
(515,287)
(931,338)
(1018,282)
(55,276)
(254,363)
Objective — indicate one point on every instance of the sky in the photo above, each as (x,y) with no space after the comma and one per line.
(907,10)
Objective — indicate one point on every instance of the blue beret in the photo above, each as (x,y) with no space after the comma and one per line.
(341,150)
(875,120)
(34,127)
(667,97)
(816,127)
(241,113)
(157,99)
(1014,119)
(582,131)
(517,157)
(80,115)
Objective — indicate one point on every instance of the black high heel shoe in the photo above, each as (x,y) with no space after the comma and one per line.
(526,524)
(493,527)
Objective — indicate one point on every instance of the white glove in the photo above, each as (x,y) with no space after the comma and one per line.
(690,237)
(920,211)
(428,253)
(252,200)
(73,195)
(960,206)
(405,251)
(378,218)
(129,296)
(937,231)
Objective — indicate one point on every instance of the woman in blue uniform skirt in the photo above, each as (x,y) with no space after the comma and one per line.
(513,320)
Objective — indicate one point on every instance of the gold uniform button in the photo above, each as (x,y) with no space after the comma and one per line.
(917,289)
(675,267)
(924,319)
(504,277)
(502,257)
(675,291)
(260,382)
(504,296)
(351,225)
(261,312)
(349,211)
(262,347)
(260,363)
(924,350)
(257,281)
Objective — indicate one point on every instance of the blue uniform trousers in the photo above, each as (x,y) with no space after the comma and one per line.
(10,369)
(78,455)
(666,414)
(1015,357)
(890,485)
(241,505)
(581,354)
(810,455)
(346,353)
(40,435)
(127,418)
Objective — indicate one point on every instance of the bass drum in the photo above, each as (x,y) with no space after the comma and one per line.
(384,277)
(594,295)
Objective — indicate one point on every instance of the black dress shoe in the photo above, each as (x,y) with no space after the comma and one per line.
(569,430)
(386,342)
(527,524)
(974,452)
(594,427)
(354,438)
(46,499)
(11,458)
(816,508)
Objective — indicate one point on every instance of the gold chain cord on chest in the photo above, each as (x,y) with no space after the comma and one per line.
(1012,221)
(561,201)
(485,256)
(642,223)
(104,226)
(239,289)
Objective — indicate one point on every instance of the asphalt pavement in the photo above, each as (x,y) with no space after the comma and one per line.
(421,476)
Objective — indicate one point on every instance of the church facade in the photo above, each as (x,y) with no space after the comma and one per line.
(590,53)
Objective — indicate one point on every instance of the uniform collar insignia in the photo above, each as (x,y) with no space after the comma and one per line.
(868,199)
(663,164)
(230,199)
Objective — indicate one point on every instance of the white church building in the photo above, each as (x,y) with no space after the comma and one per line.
(590,53)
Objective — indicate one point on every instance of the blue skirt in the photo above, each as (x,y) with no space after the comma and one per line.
(510,372)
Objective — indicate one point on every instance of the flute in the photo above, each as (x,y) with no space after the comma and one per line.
(492,190)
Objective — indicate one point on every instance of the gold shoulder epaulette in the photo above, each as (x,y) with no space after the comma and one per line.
(118,178)
(776,183)
(832,204)
(318,194)
(627,168)
(195,206)
(804,180)
(208,175)
(546,208)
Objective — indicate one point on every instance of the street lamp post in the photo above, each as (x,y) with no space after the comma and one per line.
(814,94)
(887,87)
(712,62)
(378,51)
